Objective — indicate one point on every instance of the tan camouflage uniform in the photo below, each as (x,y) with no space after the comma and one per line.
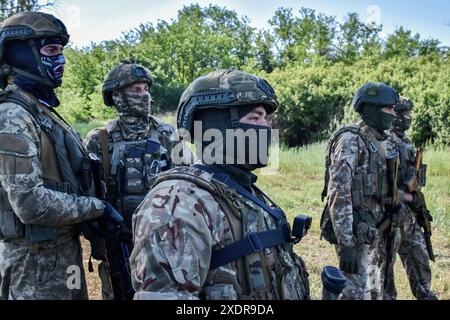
(184,218)
(38,271)
(355,224)
(412,249)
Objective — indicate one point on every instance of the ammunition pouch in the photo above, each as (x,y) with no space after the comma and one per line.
(333,283)
(364,226)
(11,228)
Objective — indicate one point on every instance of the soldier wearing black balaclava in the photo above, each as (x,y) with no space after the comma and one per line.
(412,249)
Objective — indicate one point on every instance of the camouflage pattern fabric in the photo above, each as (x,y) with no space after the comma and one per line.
(182,221)
(355,224)
(412,249)
(38,271)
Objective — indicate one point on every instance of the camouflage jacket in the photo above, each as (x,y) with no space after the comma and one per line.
(28,163)
(357,183)
(185,217)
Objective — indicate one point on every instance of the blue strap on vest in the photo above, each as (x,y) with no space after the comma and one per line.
(224,178)
(253,242)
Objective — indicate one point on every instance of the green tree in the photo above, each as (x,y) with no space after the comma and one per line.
(10,7)
(402,43)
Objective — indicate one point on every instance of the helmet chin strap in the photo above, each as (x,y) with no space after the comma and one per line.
(43,79)
(234,118)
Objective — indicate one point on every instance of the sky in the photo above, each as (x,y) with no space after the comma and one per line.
(94,21)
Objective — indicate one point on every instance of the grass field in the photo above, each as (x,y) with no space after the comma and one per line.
(297,186)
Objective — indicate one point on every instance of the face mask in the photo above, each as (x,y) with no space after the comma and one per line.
(254,153)
(54,66)
(133,105)
(377,118)
(403,121)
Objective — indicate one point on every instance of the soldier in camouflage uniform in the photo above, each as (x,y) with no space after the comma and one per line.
(134,148)
(412,249)
(45,179)
(354,186)
(206,231)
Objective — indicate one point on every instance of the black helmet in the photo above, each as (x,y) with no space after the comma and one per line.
(224,89)
(376,94)
(125,74)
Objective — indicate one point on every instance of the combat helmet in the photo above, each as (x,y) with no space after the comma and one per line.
(403,104)
(224,89)
(29,26)
(376,94)
(125,74)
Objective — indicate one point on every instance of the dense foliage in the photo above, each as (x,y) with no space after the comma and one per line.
(314,62)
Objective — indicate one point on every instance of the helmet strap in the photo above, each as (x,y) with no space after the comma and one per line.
(234,118)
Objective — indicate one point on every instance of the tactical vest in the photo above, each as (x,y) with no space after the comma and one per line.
(66,167)
(130,168)
(407,166)
(369,185)
(268,272)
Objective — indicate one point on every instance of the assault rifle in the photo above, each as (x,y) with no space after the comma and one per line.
(419,206)
(110,245)
(391,204)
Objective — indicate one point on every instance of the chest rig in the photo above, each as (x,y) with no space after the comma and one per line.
(407,166)
(257,251)
(131,167)
(369,183)
(66,166)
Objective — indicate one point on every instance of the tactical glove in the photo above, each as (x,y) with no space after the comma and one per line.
(349,260)
(112,216)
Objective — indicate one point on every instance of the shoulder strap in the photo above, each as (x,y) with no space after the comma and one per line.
(11,96)
(276,214)
(353,128)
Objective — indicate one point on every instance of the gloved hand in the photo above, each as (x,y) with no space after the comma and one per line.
(349,260)
(112,216)
(398,214)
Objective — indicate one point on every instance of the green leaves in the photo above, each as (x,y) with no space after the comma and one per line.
(314,63)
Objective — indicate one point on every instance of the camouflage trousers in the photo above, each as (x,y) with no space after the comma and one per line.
(367,283)
(50,272)
(414,256)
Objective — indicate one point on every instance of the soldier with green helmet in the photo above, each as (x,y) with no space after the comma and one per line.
(412,249)
(207,231)
(133,149)
(46,182)
(355,188)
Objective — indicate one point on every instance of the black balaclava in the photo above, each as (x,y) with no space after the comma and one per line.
(403,121)
(20,55)
(376,118)
(252,155)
